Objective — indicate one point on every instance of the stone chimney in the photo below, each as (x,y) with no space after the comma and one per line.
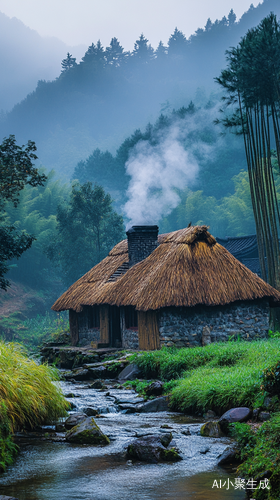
(142,241)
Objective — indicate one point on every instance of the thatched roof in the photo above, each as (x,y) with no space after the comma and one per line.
(187,268)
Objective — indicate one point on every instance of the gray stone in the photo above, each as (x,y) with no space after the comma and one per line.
(154,389)
(264,416)
(209,414)
(240,414)
(96,385)
(81,374)
(156,405)
(90,412)
(87,432)
(130,372)
(97,372)
(4,497)
(229,455)
(74,419)
(60,427)
(153,449)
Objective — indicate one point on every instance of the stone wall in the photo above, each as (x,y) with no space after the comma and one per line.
(183,327)
(87,336)
(130,338)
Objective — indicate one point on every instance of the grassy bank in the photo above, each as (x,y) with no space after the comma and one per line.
(27,396)
(222,376)
(213,377)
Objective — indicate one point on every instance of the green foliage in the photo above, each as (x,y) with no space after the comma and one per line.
(212,377)
(87,229)
(8,449)
(36,214)
(16,171)
(260,452)
(34,331)
(271,379)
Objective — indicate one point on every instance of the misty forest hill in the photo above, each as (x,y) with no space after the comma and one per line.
(25,58)
(98,102)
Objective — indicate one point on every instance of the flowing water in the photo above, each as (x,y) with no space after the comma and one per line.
(48,470)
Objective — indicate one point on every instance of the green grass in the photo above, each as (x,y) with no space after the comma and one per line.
(261,456)
(34,331)
(28,396)
(214,377)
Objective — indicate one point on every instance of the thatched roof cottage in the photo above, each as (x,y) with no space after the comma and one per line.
(169,289)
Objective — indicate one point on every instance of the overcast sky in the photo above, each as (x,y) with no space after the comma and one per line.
(85,21)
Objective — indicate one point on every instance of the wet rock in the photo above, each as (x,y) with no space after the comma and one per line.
(90,412)
(255,414)
(267,402)
(211,429)
(165,426)
(69,395)
(153,449)
(129,408)
(234,415)
(130,372)
(156,405)
(210,414)
(96,385)
(229,455)
(60,427)
(204,450)
(4,497)
(74,419)
(264,416)
(186,432)
(97,372)
(87,432)
(154,389)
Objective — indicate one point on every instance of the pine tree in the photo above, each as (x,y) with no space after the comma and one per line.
(68,63)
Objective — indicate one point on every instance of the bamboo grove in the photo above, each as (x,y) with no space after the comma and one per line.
(252,85)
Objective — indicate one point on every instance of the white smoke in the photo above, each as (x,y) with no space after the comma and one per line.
(158,172)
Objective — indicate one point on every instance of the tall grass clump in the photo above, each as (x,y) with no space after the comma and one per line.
(28,396)
(217,377)
(27,390)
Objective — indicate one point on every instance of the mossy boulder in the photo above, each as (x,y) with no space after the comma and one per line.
(211,429)
(87,432)
(153,449)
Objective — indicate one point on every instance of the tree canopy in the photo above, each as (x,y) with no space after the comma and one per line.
(16,171)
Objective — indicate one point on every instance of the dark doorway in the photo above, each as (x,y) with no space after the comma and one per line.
(115,327)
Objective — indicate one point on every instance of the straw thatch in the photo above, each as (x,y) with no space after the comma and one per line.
(186,269)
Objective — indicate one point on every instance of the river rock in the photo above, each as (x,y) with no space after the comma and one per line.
(153,449)
(81,374)
(96,385)
(97,372)
(210,414)
(234,415)
(159,404)
(154,389)
(229,455)
(87,432)
(130,372)
(264,416)
(3,497)
(90,412)
(211,429)
(74,419)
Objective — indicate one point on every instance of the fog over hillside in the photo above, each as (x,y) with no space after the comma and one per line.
(101,100)
(25,58)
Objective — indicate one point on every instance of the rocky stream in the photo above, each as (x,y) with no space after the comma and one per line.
(49,467)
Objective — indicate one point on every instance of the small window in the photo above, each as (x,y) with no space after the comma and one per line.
(131,317)
(93,317)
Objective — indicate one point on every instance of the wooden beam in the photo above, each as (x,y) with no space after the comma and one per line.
(148,332)
(104,324)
